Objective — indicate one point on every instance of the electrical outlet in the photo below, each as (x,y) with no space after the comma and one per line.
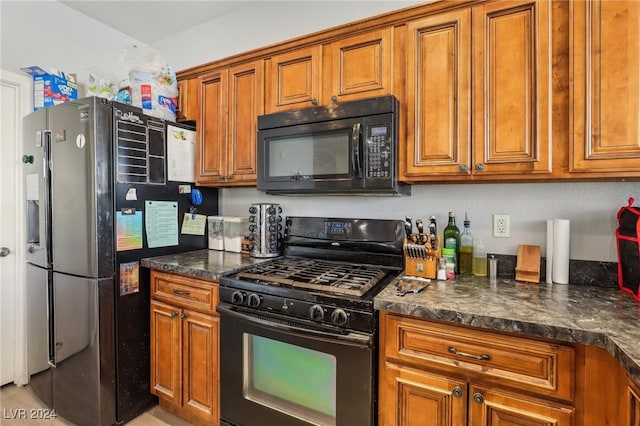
(501,225)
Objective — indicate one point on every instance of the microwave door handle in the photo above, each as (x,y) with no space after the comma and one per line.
(355,141)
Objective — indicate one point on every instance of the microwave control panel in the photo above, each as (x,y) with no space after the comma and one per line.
(379,157)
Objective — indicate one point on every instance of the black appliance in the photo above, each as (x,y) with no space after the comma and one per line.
(345,148)
(96,179)
(300,332)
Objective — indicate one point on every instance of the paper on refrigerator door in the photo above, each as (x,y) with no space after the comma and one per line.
(181,154)
(161,223)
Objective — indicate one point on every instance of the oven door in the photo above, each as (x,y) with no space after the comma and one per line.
(274,372)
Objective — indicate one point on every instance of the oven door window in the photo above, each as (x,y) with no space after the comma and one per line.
(291,379)
(310,155)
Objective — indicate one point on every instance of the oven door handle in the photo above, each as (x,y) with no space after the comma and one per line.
(360,340)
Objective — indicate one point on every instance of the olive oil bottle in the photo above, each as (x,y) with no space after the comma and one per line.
(452,239)
(466,249)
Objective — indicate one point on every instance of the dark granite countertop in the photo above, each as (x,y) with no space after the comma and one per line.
(590,315)
(205,264)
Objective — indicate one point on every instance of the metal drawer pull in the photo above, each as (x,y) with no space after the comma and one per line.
(174,314)
(483,357)
(182,292)
(477,397)
(457,392)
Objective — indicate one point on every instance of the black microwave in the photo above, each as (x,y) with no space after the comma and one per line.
(345,148)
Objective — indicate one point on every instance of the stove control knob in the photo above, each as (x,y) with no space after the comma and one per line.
(339,317)
(254,300)
(237,297)
(316,313)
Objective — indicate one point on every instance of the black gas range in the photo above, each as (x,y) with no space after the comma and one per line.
(331,270)
(299,333)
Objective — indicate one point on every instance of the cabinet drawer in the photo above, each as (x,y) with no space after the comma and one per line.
(184,292)
(543,368)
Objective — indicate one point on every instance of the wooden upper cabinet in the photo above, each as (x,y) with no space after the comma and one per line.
(293,80)
(479,93)
(606,87)
(231,100)
(438,96)
(357,67)
(188,103)
(511,88)
(246,103)
(211,147)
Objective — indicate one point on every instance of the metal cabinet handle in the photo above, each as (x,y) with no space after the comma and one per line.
(463,168)
(482,357)
(314,102)
(221,178)
(5,251)
(477,397)
(174,314)
(479,167)
(183,315)
(181,292)
(334,99)
(457,392)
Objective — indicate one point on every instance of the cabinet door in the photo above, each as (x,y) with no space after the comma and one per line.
(634,404)
(511,88)
(166,350)
(492,407)
(187,100)
(293,80)
(438,96)
(606,87)
(358,67)
(246,103)
(211,147)
(200,366)
(416,398)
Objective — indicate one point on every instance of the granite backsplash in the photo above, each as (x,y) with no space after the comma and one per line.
(581,272)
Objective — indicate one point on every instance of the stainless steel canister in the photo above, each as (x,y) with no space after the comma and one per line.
(265,230)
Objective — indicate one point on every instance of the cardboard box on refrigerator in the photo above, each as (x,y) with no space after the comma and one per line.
(51,88)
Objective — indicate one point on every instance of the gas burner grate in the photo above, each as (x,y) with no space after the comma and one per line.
(334,277)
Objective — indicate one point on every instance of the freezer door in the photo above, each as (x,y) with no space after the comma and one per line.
(36,184)
(82,189)
(39,332)
(83,380)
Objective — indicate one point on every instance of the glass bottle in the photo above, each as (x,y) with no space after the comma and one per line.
(466,249)
(452,239)
(479,259)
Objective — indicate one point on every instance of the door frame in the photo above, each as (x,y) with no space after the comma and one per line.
(23,106)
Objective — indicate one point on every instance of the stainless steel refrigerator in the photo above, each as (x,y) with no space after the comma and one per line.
(98,200)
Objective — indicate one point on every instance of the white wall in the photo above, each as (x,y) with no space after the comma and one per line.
(28,36)
(52,35)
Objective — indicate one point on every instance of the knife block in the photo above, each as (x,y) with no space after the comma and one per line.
(421,260)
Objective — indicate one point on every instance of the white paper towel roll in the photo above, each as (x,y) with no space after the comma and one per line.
(561,240)
(549,250)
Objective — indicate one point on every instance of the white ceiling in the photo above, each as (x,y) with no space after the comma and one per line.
(150,21)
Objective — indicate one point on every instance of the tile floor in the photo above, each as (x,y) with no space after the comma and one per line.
(16,400)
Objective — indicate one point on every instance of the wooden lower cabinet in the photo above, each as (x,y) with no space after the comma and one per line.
(436,374)
(410,397)
(489,406)
(184,352)
(633,392)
